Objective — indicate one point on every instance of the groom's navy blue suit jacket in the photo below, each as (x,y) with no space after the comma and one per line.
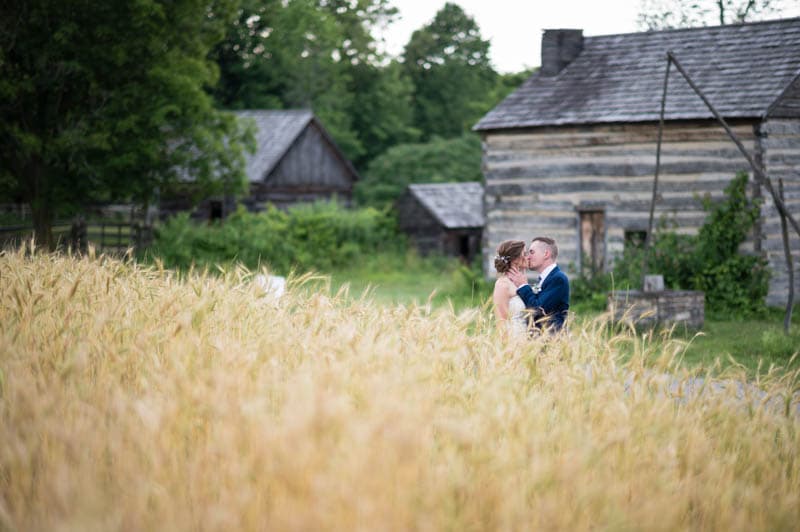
(551,304)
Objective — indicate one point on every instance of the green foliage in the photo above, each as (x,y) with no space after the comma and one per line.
(105,101)
(437,161)
(590,293)
(449,66)
(319,237)
(317,54)
(731,281)
(323,55)
(671,255)
(710,261)
(405,278)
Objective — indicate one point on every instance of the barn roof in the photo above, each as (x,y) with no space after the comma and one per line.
(743,69)
(454,205)
(276,131)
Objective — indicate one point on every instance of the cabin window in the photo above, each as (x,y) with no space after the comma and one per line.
(635,239)
(593,228)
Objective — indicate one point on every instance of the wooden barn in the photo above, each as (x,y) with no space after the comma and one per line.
(571,153)
(446,218)
(295,161)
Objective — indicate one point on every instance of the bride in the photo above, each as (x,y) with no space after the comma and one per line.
(508,307)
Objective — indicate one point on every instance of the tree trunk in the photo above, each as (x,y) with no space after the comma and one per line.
(38,198)
(43,225)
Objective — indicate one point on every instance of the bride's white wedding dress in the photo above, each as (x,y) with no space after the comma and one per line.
(517,322)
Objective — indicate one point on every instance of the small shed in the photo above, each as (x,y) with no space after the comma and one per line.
(446,218)
(571,153)
(295,161)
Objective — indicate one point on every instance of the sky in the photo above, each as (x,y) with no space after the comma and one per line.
(514,27)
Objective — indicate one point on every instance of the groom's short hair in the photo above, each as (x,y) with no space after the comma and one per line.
(551,244)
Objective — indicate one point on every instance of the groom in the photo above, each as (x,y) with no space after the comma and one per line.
(550,300)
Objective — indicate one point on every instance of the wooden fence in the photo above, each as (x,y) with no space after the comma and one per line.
(106,237)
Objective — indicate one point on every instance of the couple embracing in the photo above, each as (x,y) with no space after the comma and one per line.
(520,308)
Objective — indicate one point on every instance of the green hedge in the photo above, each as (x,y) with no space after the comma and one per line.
(319,237)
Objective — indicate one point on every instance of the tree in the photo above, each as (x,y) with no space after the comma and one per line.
(381,112)
(247,78)
(437,161)
(318,54)
(449,67)
(105,101)
(666,14)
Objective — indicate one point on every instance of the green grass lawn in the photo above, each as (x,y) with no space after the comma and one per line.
(748,342)
(415,280)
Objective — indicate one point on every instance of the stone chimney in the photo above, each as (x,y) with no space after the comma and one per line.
(559,48)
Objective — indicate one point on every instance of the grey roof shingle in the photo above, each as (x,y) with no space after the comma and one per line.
(455,205)
(275,133)
(742,69)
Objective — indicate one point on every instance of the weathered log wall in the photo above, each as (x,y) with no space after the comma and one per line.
(538,180)
(312,160)
(780,140)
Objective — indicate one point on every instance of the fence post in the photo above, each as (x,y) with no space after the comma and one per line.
(136,232)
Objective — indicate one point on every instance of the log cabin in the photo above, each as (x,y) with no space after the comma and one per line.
(444,218)
(571,153)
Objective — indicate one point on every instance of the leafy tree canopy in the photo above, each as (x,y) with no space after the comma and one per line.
(437,161)
(449,66)
(317,54)
(106,100)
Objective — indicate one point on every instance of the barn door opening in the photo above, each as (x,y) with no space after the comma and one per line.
(593,250)
(464,248)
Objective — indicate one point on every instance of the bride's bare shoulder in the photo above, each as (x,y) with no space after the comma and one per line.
(504,284)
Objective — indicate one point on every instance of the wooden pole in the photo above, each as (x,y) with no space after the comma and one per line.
(787,319)
(648,239)
(760,176)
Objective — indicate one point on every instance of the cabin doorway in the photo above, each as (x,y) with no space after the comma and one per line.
(593,249)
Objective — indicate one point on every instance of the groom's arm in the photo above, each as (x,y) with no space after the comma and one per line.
(549,300)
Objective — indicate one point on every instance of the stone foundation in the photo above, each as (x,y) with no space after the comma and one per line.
(662,308)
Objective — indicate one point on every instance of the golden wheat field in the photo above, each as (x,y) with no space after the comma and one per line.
(132,398)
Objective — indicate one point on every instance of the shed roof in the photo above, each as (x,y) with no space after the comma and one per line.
(743,69)
(276,131)
(454,205)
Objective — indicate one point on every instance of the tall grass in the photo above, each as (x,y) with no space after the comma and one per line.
(135,398)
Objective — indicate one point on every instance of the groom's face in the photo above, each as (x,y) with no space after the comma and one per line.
(536,256)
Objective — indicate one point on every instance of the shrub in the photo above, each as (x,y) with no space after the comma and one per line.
(317,236)
(710,261)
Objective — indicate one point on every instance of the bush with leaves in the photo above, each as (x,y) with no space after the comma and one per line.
(319,236)
(733,283)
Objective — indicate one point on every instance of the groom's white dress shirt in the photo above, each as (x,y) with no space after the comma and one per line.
(543,275)
(546,272)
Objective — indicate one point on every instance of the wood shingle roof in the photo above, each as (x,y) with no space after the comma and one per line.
(743,69)
(276,132)
(454,205)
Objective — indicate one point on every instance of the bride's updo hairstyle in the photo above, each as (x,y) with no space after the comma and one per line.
(507,252)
